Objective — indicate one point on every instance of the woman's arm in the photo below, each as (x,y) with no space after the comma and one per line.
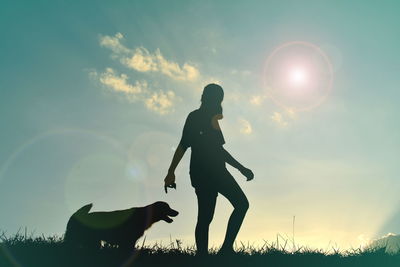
(236,164)
(183,145)
(179,152)
(232,161)
(169,180)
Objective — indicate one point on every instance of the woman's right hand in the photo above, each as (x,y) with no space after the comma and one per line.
(169,181)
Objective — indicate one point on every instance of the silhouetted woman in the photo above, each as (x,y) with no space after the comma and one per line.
(208,173)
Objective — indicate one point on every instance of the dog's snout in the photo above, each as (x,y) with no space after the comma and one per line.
(173,213)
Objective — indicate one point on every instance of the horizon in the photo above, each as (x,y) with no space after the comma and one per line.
(94,98)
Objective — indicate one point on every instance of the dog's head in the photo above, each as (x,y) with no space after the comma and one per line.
(162,211)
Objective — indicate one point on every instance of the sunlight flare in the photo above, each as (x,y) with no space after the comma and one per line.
(298,76)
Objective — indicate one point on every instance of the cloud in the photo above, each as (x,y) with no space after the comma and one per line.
(140,59)
(119,83)
(144,61)
(257,100)
(113,43)
(245,127)
(291,113)
(159,102)
(390,243)
(278,118)
(243,73)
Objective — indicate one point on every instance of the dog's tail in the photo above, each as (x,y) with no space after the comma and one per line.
(84,210)
(70,233)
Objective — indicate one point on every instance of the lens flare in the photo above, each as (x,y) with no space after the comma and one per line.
(298,76)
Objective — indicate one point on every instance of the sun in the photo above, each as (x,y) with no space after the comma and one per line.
(298,76)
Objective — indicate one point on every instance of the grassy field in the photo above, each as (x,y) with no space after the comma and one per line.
(20,250)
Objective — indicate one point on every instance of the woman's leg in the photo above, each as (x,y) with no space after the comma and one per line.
(206,200)
(231,190)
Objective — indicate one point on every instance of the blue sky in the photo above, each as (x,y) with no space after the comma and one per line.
(94,97)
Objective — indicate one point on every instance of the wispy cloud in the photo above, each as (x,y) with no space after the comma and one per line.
(257,100)
(245,126)
(277,117)
(119,83)
(113,43)
(390,243)
(140,59)
(291,113)
(243,73)
(159,102)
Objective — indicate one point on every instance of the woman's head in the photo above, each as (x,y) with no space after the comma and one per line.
(211,99)
(212,94)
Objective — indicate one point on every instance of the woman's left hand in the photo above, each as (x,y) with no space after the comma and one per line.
(247,173)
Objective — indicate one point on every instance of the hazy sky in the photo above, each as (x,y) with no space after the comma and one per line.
(94,96)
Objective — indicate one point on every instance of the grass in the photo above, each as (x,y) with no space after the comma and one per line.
(41,251)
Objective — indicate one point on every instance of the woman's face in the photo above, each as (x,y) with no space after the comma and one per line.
(217,115)
(213,108)
(218,112)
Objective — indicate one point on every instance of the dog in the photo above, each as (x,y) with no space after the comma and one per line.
(121,227)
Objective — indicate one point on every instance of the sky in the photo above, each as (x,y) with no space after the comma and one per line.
(94,96)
